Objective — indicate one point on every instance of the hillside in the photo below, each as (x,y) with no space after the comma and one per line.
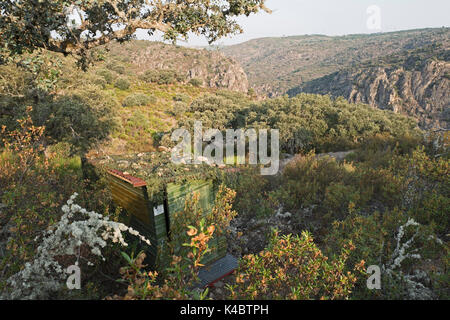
(275,65)
(211,67)
(414,82)
(53,117)
(133,92)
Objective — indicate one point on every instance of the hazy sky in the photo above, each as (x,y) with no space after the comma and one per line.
(335,17)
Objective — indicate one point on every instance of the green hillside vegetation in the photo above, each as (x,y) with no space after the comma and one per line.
(306,122)
(386,203)
(166,64)
(126,111)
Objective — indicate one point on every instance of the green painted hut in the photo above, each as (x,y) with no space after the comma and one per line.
(151,189)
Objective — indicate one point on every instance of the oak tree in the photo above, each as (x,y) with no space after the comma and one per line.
(74,27)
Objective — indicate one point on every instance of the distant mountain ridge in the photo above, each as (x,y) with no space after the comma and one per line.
(406,71)
(276,65)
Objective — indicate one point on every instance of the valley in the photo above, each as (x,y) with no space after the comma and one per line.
(405,71)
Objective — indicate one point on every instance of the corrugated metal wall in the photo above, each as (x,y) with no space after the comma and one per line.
(152,219)
(177,194)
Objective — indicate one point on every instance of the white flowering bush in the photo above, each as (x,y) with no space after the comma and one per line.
(414,287)
(77,228)
(401,250)
(409,254)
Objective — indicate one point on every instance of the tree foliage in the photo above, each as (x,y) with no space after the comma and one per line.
(306,122)
(74,27)
(294,268)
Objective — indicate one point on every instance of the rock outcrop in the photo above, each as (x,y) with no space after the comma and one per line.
(275,65)
(418,87)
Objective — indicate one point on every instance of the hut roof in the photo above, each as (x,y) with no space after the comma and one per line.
(156,169)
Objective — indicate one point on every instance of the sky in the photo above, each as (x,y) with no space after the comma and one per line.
(334,17)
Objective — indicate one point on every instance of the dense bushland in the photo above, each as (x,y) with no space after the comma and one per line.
(34,185)
(306,122)
(393,207)
(386,204)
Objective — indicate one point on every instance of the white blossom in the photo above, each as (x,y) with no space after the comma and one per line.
(415,289)
(44,275)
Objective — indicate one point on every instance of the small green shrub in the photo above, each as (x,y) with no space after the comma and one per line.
(101,82)
(306,180)
(338,196)
(182,257)
(107,75)
(179,108)
(148,76)
(122,84)
(181,97)
(139,99)
(252,93)
(196,82)
(162,76)
(251,189)
(116,68)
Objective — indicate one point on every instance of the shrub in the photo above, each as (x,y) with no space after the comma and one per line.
(308,122)
(116,67)
(337,188)
(122,84)
(252,190)
(220,110)
(179,108)
(167,77)
(193,215)
(101,82)
(181,97)
(33,186)
(196,82)
(306,179)
(77,227)
(139,99)
(107,75)
(149,76)
(399,246)
(292,267)
(162,76)
(82,120)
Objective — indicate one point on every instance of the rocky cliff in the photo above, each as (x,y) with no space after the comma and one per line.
(275,65)
(415,83)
